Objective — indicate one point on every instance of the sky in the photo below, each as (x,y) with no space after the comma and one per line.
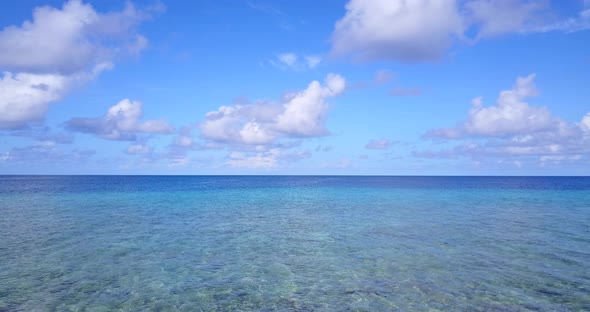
(358,87)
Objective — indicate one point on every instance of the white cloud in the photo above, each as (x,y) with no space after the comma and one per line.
(380,144)
(240,123)
(514,130)
(585,124)
(138,149)
(292,61)
(126,115)
(288,59)
(559,158)
(264,159)
(305,112)
(504,16)
(221,125)
(69,40)
(260,135)
(58,50)
(255,133)
(301,114)
(572,24)
(240,160)
(424,30)
(121,122)
(313,60)
(184,141)
(26,97)
(497,17)
(408,31)
(511,116)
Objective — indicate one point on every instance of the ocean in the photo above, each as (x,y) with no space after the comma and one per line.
(294,243)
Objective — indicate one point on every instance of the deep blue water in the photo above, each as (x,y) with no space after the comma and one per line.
(179,243)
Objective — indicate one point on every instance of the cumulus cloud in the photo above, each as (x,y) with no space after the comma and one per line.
(69,40)
(25,97)
(45,58)
(510,116)
(305,112)
(265,134)
(121,122)
(244,124)
(292,61)
(184,140)
(300,114)
(379,144)
(514,129)
(585,123)
(408,31)
(423,31)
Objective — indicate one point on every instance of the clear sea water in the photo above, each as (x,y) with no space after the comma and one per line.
(268,243)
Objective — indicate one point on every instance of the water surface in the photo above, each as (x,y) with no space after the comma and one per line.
(136,243)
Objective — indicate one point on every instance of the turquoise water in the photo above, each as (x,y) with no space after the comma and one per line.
(294,244)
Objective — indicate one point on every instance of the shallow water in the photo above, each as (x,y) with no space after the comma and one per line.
(101,243)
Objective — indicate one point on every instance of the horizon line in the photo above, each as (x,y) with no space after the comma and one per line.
(290,175)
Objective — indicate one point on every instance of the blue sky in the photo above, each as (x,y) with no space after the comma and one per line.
(389,87)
